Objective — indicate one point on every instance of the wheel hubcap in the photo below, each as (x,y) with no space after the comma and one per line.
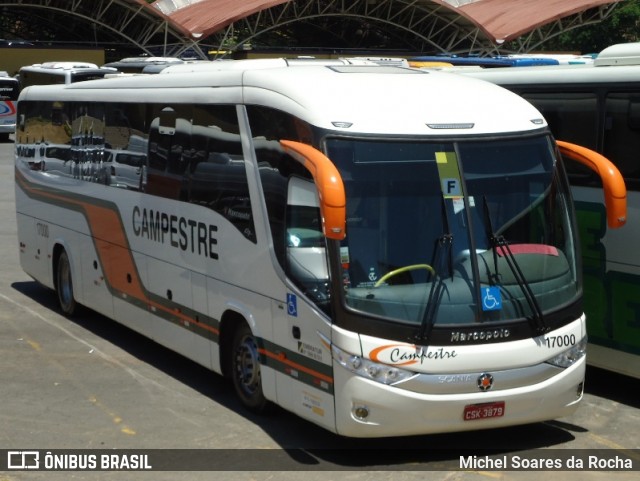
(248,365)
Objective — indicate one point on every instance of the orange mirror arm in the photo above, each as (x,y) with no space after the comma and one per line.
(329,183)
(615,190)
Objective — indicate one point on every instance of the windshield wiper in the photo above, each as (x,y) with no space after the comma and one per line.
(437,286)
(499,242)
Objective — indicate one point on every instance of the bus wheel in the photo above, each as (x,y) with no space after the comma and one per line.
(245,363)
(64,285)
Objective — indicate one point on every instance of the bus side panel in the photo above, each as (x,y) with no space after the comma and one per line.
(306,387)
(95,289)
(126,311)
(611,281)
(39,238)
(173,284)
(202,345)
(33,237)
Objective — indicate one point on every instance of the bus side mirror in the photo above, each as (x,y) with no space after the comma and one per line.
(615,191)
(333,205)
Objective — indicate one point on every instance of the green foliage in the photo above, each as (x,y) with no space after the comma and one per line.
(621,26)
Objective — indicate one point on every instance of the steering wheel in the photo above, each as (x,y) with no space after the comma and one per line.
(400,270)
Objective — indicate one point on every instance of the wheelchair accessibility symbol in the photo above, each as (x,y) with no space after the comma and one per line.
(292,305)
(491,299)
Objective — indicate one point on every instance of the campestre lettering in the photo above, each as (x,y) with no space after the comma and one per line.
(406,355)
(398,356)
(177,231)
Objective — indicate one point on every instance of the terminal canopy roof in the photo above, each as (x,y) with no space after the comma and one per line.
(499,20)
(196,27)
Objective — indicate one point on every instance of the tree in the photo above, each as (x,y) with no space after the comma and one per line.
(621,26)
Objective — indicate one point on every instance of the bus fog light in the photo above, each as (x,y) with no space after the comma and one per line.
(361,412)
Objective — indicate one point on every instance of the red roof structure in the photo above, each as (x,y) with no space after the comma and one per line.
(500,20)
(505,20)
(195,27)
(207,16)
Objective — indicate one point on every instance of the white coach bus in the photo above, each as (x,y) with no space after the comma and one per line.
(48,73)
(382,251)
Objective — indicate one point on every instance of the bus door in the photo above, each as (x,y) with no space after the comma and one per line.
(302,319)
(305,383)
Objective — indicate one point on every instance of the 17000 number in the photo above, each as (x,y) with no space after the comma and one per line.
(561,341)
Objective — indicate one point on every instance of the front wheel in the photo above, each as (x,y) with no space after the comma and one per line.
(245,363)
(64,285)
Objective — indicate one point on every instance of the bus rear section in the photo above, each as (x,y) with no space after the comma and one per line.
(8,98)
(380,265)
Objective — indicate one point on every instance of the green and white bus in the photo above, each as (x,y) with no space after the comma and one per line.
(380,250)
(598,106)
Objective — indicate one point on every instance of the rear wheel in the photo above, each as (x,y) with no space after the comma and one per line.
(245,372)
(64,285)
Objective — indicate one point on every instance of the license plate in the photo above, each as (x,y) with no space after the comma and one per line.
(483,411)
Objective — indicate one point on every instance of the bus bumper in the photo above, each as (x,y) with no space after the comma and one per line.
(365,408)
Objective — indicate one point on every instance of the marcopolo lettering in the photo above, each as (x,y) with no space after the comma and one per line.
(486,335)
(177,231)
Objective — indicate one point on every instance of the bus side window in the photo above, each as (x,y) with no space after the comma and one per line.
(216,176)
(306,259)
(169,137)
(276,168)
(572,117)
(622,138)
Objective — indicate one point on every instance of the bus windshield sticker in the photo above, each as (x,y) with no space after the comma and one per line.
(449,174)
(491,299)
(458,205)
(344,256)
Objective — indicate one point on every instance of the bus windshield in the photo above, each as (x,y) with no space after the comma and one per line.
(442,233)
(8,88)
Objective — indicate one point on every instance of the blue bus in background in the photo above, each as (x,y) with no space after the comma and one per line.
(516,60)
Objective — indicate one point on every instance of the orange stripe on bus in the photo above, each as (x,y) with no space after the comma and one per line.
(113,250)
(112,246)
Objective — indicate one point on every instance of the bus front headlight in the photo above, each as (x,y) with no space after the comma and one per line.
(375,371)
(571,355)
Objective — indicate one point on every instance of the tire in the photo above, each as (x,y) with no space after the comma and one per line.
(64,286)
(245,370)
